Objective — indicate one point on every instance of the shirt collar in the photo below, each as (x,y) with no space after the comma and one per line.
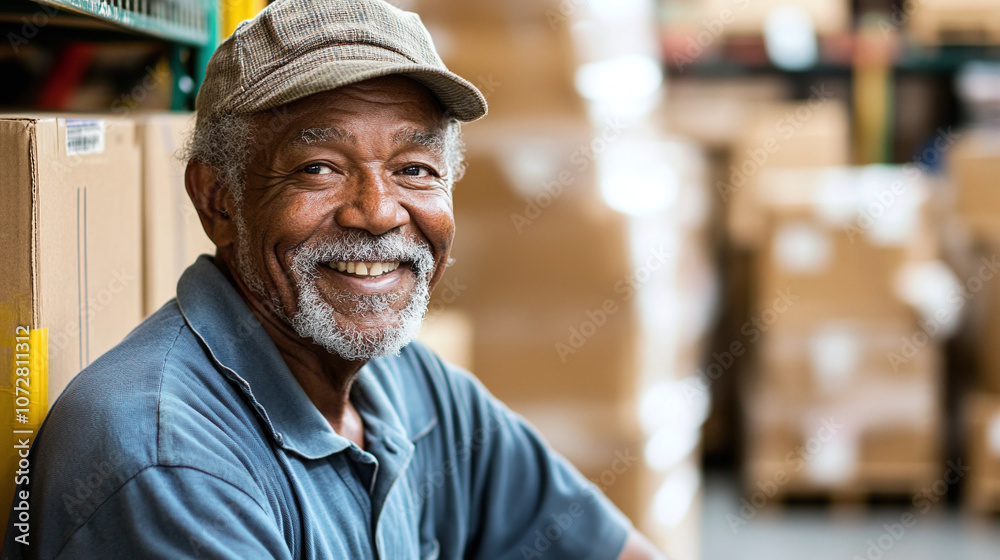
(246,355)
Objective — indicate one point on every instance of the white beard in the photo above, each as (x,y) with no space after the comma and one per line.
(317,319)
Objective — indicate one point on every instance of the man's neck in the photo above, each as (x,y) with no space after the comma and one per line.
(325,377)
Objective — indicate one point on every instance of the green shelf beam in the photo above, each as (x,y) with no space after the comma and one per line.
(192,26)
(180,21)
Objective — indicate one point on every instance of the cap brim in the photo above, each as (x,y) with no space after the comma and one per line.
(460,99)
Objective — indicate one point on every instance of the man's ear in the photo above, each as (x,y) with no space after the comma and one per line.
(213,201)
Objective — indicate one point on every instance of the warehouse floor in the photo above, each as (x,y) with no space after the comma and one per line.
(812,533)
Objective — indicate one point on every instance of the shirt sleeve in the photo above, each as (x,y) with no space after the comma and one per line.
(177,512)
(527,500)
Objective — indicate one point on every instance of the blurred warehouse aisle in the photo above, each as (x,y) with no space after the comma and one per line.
(816,533)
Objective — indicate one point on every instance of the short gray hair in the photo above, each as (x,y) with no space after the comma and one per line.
(225,145)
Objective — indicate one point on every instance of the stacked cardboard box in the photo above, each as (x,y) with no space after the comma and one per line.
(550,281)
(845,400)
(577,312)
(71,230)
(809,134)
(728,18)
(973,165)
(982,416)
(172,234)
(937,22)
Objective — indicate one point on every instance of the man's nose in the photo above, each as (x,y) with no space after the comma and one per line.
(372,205)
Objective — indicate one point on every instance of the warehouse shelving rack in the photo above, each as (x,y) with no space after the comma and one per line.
(191,27)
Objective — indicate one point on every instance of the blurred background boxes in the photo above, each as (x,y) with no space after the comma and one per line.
(937,22)
(974,162)
(750,18)
(172,234)
(982,493)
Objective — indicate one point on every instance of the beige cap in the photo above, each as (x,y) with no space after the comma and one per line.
(295,48)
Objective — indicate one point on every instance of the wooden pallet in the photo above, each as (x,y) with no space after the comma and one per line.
(872,484)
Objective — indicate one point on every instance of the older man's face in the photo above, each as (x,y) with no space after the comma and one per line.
(347,217)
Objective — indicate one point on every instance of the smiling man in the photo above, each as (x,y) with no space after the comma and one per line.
(277,408)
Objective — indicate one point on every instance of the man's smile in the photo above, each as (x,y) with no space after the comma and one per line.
(362,269)
(366,278)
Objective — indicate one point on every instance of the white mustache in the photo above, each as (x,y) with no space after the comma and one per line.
(360,246)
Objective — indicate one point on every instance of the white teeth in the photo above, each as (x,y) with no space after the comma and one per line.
(363,268)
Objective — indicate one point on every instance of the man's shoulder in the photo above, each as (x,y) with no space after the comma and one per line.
(116,398)
(154,400)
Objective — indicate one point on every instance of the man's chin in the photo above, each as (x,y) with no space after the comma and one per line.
(361,337)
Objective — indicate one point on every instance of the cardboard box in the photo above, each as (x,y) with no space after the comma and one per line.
(715,112)
(847,239)
(974,165)
(937,22)
(448,332)
(633,467)
(679,538)
(748,18)
(881,438)
(172,233)
(522,71)
(805,136)
(830,357)
(70,231)
(982,417)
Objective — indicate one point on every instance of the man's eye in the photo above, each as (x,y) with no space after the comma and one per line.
(317,169)
(416,171)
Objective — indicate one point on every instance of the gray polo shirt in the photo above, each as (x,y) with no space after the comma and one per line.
(192,439)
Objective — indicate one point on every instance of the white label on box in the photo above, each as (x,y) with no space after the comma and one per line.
(993,436)
(835,461)
(835,353)
(803,248)
(84,136)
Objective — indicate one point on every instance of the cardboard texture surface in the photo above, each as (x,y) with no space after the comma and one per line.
(172,233)
(71,250)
